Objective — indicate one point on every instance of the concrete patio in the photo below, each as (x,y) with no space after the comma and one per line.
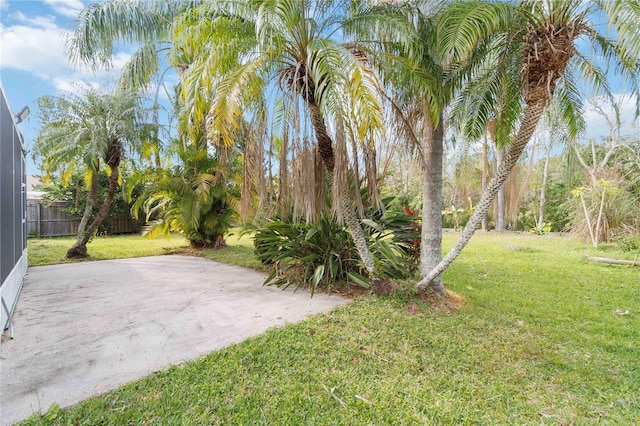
(85,328)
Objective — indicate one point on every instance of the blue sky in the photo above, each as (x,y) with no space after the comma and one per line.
(33,57)
(34,62)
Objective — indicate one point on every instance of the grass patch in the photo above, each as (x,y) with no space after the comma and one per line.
(612,251)
(239,252)
(536,341)
(48,251)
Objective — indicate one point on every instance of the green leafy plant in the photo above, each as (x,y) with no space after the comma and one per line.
(629,243)
(544,229)
(196,198)
(323,254)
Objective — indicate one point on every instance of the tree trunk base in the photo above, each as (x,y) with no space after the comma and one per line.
(78,251)
(218,243)
(382,286)
(435,286)
(429,292)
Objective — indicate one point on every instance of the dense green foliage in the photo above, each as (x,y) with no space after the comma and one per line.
(629,243)
(323,254)
(196,197)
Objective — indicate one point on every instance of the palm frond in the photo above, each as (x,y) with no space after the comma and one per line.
(101,25)
(138,71)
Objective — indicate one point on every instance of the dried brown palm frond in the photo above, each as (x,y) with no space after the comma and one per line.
(547,52)
(371,172)
(341,171)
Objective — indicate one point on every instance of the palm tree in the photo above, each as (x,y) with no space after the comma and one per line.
(539,39)
(239,51)
(197,197)
(87,132)
(423,80)
(144,23)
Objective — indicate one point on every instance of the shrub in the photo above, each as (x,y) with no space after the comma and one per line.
(543,229)
(323,254)
(195,198)
(629,243)
(455,218)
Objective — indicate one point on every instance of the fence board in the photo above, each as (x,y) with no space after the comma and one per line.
(53,221)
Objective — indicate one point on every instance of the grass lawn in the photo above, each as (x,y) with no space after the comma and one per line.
(47,251)
(536,341)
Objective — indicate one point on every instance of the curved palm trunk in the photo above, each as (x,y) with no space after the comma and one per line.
(485,177)
(91,197)
(79,249)
(431,244)
(531,116)
(325,147)
(501,195)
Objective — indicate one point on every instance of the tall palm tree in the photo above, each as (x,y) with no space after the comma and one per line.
(428,92)
(240,50)
(539,40)
(423,79)
(88,132)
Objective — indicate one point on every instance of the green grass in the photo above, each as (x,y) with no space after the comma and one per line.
(48,251)
(239,252)
(536,341)
(613,251)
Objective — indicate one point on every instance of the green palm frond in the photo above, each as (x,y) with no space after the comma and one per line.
(465,24)
(226,112)
(623,16)
(568,101)
(146,23)
(138,71)
(101,25)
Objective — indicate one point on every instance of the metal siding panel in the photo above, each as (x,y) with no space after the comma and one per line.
(6,190)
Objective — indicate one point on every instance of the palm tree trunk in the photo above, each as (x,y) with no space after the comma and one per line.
(79,249)
(500,224)
(531,116)
(485,177)
(431,244)
(112,159)
(325,148)
(88,209)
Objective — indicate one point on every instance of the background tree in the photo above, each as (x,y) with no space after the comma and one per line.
(239,52)
(545,48)
(88,132)
(74,195)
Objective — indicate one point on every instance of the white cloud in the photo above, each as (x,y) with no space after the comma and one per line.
(4,5)
(597,126)
(67,8)
(37,45)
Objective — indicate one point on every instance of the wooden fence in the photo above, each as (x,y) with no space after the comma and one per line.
(53,221)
